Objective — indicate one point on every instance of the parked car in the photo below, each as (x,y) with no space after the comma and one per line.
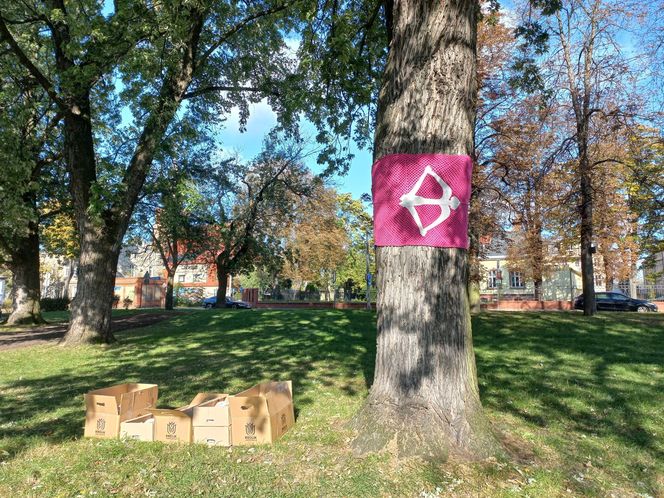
(615,301)
(211,302)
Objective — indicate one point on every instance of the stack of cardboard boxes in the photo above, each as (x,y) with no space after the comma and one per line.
(259,415)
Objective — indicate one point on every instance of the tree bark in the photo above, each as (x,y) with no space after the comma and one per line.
(586,208)
(424,400)
(222,279)
(581,98)
(25,276)
(170,278)
(90,319)
(537,251)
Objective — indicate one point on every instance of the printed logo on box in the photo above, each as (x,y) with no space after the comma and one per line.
(101,426)
(283,421)
(250,431)
(171,429)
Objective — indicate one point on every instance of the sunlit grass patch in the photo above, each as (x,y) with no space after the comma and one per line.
(577,403)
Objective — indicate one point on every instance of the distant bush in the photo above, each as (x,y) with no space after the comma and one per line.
(188,296)
(54,304)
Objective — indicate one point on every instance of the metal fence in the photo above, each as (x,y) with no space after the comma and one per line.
(314,296)
(643,291)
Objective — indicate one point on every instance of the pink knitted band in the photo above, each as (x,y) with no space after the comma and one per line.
(421,200)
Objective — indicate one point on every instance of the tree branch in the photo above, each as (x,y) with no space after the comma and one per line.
(5,35)
(238,27)
(223,88)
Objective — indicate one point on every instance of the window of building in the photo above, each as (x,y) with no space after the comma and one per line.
(492,282)
(198,277)
(180,278)
(516,280)
(599,279)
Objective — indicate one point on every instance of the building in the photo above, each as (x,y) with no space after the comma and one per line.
(562,283)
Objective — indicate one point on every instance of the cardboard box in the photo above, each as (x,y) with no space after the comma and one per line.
(139,428)
(208,414)
(211,421)
(213,436)
(262,414)
(106,408)
(175,425)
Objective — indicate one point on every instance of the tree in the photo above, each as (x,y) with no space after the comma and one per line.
(170,214)
(251,207)
(220,52)
(358,224)
(27,136)
(425,366)
(645,189)
(589,77)
(495,48)
(59,237)
(318,241)
(526,153)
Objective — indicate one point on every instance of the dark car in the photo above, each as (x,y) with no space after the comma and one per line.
(615,301)
(211,302)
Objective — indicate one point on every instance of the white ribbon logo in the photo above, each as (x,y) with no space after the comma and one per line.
(447,201)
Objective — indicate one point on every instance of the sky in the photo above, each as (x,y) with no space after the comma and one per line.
(261,120)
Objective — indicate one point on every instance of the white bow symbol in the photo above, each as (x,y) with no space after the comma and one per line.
(446,201)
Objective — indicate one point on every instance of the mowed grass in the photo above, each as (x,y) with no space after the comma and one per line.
(577,402)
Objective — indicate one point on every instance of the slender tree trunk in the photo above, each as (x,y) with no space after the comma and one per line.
(538,254)
(222,279)
(586,208)
(27,286)
(65,293)
(608,273)
(424,400)
(474,249)
(170,278)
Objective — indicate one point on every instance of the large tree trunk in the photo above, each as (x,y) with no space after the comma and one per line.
(424,400)
(90,319)
(27,285)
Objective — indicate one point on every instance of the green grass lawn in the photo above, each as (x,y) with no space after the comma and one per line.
(578,403)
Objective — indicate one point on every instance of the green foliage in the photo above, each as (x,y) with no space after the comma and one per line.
(646,190)
(21,149)
(359,226)
(54,304)
(251,205)
(187,296)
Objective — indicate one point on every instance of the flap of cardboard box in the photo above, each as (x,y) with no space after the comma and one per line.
(121,398)
(262,399)
(183,412)
(201,398)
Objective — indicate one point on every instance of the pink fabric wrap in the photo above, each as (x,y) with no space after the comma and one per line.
(440,201)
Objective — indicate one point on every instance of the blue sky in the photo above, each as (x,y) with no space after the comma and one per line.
(261,120)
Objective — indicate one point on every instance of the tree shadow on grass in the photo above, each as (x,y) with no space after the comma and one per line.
(549,369)
(221,351)
(589,376)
